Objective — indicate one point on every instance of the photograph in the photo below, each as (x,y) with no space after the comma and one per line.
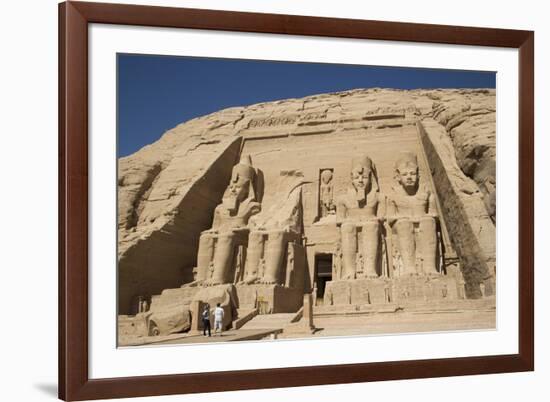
(263,200)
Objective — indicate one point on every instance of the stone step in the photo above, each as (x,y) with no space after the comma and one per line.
(269,321)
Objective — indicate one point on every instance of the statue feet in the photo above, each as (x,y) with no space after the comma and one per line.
(211,282)
(192,284)
(265,281)
(248,281)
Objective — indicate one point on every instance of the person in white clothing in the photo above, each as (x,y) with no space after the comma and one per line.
(218,319)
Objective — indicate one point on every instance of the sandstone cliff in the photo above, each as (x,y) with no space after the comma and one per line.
(167,190)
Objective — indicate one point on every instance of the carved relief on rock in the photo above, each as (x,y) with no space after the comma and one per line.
(326,194)
(411,215)
(358,213)
(272,121)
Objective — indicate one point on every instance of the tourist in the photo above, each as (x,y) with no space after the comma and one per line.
(206,320)
(218,319)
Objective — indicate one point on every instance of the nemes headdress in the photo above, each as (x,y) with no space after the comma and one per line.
(407,159)
(361,161)
(245,170)
(365,162)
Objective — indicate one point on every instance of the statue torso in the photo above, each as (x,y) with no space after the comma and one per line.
(359,210)
(410,205)
(227,219)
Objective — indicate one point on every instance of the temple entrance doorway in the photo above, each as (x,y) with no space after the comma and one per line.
(323,274)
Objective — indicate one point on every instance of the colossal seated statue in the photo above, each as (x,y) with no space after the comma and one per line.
(357,211)
(411,213)
(273,230)
(229,228)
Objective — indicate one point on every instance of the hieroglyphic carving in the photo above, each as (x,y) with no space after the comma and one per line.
(314,116)
(272,121)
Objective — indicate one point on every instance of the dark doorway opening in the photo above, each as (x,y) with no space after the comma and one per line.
(323,274)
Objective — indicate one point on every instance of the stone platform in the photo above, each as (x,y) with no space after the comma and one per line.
(269,299)
(390,291)
(175,310)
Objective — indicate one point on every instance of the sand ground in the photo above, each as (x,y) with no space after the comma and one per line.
(345,325)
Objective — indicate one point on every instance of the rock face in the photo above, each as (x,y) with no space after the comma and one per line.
(168,190)
(469,120)
(158,236)
(470,222)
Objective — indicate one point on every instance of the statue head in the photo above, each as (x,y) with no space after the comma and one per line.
(361,175)
(406,171)
(326,176)
(241,185)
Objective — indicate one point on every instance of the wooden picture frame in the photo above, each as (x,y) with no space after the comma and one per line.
(74,381)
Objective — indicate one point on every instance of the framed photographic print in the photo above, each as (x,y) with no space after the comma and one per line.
(260,200)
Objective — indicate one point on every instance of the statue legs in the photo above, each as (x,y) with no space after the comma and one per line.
(223,259)
(427,243)
(253,256)
(274,253)
(349,250)
(371,233)
(204,256)
(406,243)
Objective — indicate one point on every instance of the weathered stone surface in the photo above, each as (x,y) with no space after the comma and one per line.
(469,223)
(469,119)
(270,299)
(305,324)
(401,291)
(177,310)
(168,190)
(160,251)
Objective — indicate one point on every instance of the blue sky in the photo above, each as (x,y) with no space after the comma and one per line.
(156,93)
